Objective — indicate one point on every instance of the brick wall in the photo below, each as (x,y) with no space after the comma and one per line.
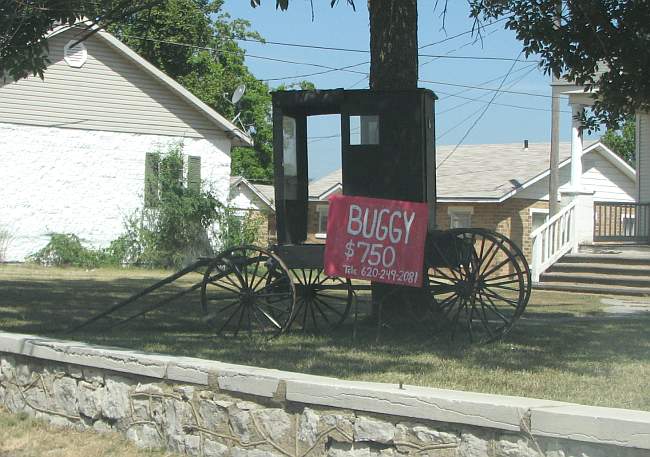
(511,218)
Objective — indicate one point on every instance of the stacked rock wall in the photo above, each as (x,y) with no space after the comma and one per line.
(212,409)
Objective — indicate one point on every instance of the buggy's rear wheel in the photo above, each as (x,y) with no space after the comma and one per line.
(322,302)
(248,289)
(479,286)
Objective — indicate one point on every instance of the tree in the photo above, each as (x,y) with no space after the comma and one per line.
(194,42)
(393,66)
(25,24)
(602,44)
(623,141)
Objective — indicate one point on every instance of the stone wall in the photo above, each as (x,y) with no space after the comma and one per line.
(208,408)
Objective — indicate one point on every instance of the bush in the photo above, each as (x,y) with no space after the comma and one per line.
(65,250)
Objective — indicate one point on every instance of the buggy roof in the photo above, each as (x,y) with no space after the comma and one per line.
(328,101)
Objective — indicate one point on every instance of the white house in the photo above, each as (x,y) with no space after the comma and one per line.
(73,146)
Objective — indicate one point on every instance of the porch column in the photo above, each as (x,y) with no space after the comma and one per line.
(576,146)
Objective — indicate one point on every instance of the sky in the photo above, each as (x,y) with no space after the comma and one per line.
(341,27)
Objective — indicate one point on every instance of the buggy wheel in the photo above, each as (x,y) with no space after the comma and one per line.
(481,285)
(519,257)
(247,289)
(322,302)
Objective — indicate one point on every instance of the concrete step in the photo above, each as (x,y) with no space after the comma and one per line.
(616,259)
(600,268)
(595,278)
(592,288)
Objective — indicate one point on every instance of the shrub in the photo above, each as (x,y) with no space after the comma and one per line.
(65,249)
(175,230)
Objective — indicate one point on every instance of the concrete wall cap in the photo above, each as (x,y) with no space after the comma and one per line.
(548,418)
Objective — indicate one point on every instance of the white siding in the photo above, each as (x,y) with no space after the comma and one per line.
(607,181)
(643,156)
(241,197)
(83,181)
(108,93)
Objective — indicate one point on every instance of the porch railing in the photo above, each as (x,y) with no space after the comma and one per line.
(553,239)
(615,221)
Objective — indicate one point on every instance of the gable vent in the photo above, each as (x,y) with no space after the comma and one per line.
(75,55)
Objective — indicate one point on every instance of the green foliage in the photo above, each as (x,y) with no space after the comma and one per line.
(237,228)
(594,37)
(24,24)
(211,66)
(175,231)
(623,141)
(66,250)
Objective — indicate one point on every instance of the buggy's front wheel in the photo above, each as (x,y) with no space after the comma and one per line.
(248,289)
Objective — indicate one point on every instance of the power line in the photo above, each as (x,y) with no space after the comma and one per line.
(480,99)
(467,86)
(472,30)
(326,67)
(476,121)
(353,50)
(316,139)
(307,75)
(300,45)
(512,84)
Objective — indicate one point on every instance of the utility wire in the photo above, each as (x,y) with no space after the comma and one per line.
(476,121)
(451,129)
(315,139)
(358,51)
(342,68)
(472,30)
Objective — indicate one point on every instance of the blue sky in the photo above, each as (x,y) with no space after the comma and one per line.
(342,27)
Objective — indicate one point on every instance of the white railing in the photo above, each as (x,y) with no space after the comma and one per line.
(553,239)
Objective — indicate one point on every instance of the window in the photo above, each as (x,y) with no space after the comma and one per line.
(322,221)
(186,173)
(460,216)
(364,130)
(538,218)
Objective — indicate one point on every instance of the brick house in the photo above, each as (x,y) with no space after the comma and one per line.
(503,187)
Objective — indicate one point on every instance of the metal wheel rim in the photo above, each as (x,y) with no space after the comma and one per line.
(476,297)
(247,289)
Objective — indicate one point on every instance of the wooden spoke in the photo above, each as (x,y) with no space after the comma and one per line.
(491,291)
(260,294)
(322,301)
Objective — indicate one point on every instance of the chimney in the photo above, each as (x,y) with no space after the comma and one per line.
(525,145)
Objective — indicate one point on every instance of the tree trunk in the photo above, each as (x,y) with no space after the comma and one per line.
(393,44)
(394,66)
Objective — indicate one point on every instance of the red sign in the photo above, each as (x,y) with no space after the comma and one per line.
(375,239)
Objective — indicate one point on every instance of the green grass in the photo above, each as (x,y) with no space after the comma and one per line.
(564,348)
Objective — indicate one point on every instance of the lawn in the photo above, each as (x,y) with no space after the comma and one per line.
(22,436)
(564,348)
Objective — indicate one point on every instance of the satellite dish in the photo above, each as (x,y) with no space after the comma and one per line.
(238,94)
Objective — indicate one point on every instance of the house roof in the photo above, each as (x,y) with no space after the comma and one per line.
(265,192)
(486,172)
(238,137)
